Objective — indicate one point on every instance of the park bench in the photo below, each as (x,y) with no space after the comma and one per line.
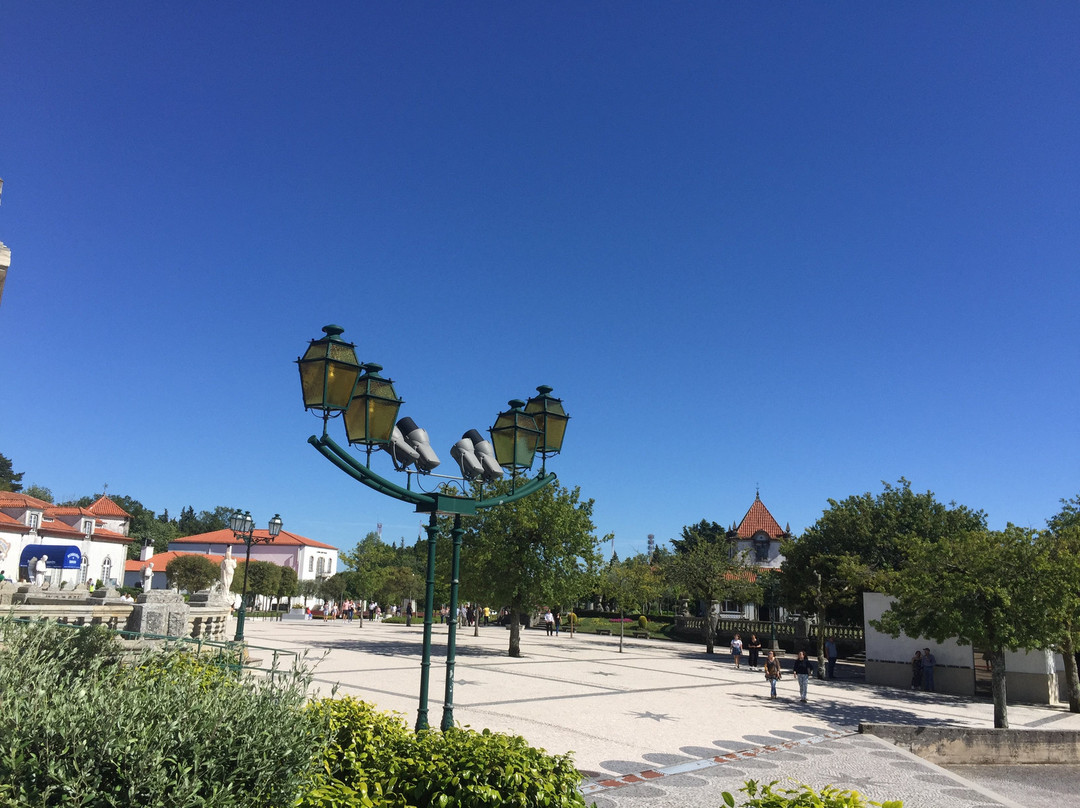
(606,631)
(641,635)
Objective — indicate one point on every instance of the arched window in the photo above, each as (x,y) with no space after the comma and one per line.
(322,566)
(761,547)
(84,570)
(106,570)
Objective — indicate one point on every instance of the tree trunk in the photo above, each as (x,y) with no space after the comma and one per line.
(1001,708)
(515,632)
(1072,682)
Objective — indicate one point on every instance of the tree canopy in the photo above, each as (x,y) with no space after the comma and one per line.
(191,573)
(530,552)
(9,480)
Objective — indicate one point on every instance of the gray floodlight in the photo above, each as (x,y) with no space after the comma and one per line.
(466,458)
(485,453)
(418,439)
(404,455)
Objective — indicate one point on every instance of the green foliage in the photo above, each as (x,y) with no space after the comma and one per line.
(9,480)
(164,730)
(643,623)
(769,796)
(858,543)
(39,492)
(704,532)
(373,760)
(263,578)
(192,573)
(539,549)
(630,584)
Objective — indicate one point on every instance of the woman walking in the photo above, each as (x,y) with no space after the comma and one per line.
(754,648)
(772,673)
(802,673)
(736,650)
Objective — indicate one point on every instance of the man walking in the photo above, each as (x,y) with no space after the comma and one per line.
(831,655)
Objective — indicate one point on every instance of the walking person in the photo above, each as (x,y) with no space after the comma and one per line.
(802,670)
(928,662)
(754,648)
(556,620)
(408,613)
(549,622)
(772,673)
(736,650)
(831,654)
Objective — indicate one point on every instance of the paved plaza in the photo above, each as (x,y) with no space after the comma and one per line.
(664,724)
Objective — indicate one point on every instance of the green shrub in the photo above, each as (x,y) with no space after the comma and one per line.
(571,618)
(165,729)
(374,760)
(643,622)
(803,796)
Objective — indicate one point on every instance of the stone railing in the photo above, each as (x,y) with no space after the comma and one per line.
(691,628)
(158,612)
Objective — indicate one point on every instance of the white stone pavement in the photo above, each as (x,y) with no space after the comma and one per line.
(652,725)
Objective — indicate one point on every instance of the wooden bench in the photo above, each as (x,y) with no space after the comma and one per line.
(641,635)
(606,631)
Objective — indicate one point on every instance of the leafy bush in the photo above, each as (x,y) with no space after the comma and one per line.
(374,760)
(643,623)
(571,618)
(804,796)
(165,729)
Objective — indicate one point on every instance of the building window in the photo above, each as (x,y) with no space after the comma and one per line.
(311,564)
(322,566)
(88,527)
(106,570)
(84,570)
(731,606)
(761,547)
(33,519)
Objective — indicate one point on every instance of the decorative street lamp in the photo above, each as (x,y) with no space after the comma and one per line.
(370,413)
(243,528)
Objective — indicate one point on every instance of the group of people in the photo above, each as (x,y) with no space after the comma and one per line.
(552,621)
(922,670)
(468,614)
(803,668)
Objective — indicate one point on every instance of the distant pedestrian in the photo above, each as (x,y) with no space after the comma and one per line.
(772,673)
(736,651)
(916,671)
(408,613)
(753,647)
(928,662)
(802,670)
(549,622)
(556,620)
(831,654)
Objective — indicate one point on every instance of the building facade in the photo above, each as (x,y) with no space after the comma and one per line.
(80,545)
(312,560)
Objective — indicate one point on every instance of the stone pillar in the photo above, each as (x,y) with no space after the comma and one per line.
(160,612)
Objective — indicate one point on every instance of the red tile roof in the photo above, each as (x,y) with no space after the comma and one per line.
(226,536)
(161,560)
(106,507)
(11,523)
(68,510)
(11,499)
(757,519)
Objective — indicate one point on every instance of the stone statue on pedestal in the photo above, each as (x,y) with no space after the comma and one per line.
(40,566)
(228,569)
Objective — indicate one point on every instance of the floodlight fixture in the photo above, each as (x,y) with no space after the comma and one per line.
(374,408)
(418,439)
(464,452)
(328,372)
(515,437)
(551,419)
(485,453)
(401,452)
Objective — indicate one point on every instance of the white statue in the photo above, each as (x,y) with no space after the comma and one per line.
(39,570)
(147,576)
(228,569)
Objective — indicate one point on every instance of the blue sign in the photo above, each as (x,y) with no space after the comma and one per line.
(59,557)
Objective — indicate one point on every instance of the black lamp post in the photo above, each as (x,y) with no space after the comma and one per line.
(370,412)
(243,527)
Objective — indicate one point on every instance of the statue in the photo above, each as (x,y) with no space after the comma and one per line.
(228,569)
(147,576)
(39,569)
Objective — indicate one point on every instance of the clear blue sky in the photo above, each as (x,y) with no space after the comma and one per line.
(806,247)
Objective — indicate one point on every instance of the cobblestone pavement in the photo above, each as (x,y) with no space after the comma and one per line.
(662,723)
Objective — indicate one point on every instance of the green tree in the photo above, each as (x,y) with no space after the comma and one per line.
(858,543)
(709,573)
(397,584)
(1059,548)
(217,519)
(333,588)
(188,523)
(370,561)
(191,573)
(39,492)
(264,578)
(9,480)
(978,587)
(703,531)
(631,584)
(529,552)
(287,585)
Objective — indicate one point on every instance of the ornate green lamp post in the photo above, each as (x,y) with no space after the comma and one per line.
(243,528)
(370,412)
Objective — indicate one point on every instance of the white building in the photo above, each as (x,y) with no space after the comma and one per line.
(312,560)
(79,544)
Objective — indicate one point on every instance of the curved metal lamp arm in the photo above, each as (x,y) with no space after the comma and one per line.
(424,502)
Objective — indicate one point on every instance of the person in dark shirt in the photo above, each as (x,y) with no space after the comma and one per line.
(802,670)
